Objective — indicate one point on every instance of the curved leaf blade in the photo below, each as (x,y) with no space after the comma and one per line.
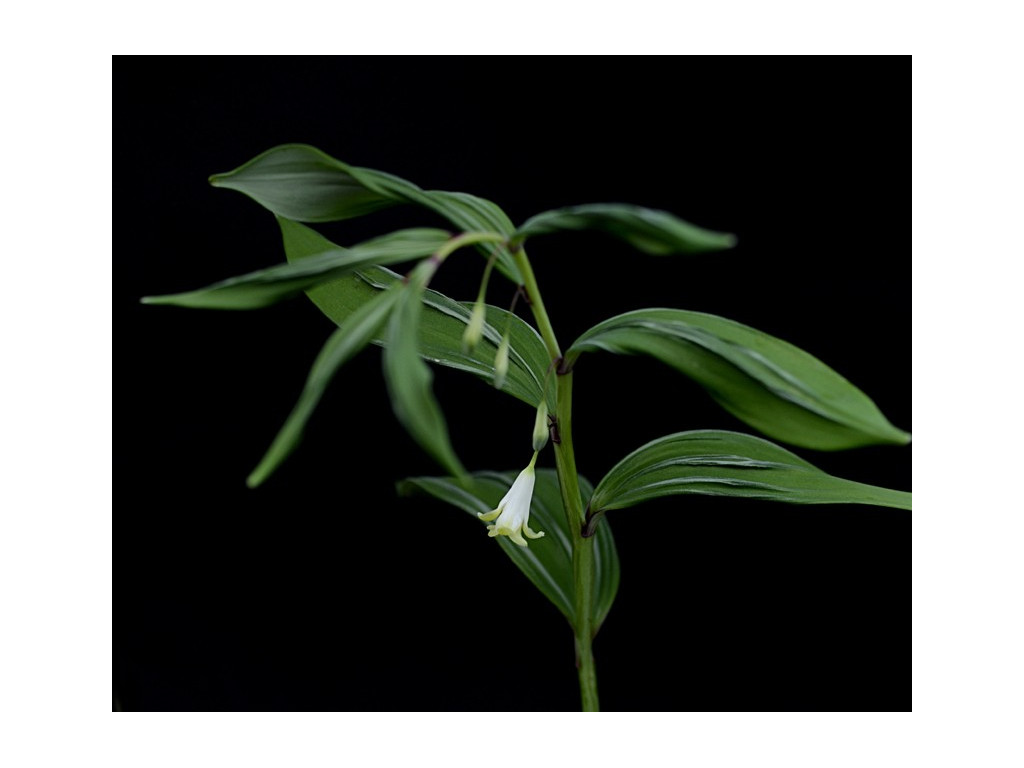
(547,562)
(302,183)
(655,232)
(358,329)
(441,323)
(409,380)
(268,286)
(716,463)
(440,341)
(606,566)
(768,383)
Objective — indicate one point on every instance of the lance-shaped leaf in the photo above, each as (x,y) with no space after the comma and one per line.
(409,378)
(267,286)
(713,463)
(547,562)
(441,324)
(302,183)
(656,232)
(358,329)
(771,385)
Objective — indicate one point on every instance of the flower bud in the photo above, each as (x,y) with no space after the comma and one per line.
(540,426)
(501,363)
(474,329)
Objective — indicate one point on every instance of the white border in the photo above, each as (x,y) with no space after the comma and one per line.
(55,548)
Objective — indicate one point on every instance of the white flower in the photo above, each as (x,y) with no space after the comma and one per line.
(513,512)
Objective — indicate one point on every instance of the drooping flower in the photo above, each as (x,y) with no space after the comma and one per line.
(512,516)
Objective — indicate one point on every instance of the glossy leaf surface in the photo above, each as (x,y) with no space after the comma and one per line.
(655,232)
(299,182)
(770,384)
(714,463)
(547,562)
(441,323)
(302,183)
(267,286)
(409,380)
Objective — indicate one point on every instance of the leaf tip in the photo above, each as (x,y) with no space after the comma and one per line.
(893,435)
(257,477)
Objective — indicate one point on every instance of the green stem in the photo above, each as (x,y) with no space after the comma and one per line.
(582,549)
(568,481)
(423,272)
(537,304)
(466,238)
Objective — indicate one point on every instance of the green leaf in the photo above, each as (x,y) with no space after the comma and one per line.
(409,378)
(712,463)
(656,232)
(771,385)
(302,183)
(441,323)
(547,562)
(358,329)
(338,298)
(440,341)
(267,286)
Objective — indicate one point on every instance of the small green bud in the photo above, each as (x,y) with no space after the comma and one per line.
(540,426)
(474,329)
(501,363)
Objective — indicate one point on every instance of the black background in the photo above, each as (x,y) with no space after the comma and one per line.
(322,590)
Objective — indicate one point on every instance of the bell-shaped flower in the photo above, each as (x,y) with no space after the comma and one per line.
(512,516)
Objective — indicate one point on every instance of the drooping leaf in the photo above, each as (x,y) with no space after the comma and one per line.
(267,286)
(656,232)
(302,183)
(547,562)
(357,330)
(441,324)
(770,384)
(409,380)
(713,463)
